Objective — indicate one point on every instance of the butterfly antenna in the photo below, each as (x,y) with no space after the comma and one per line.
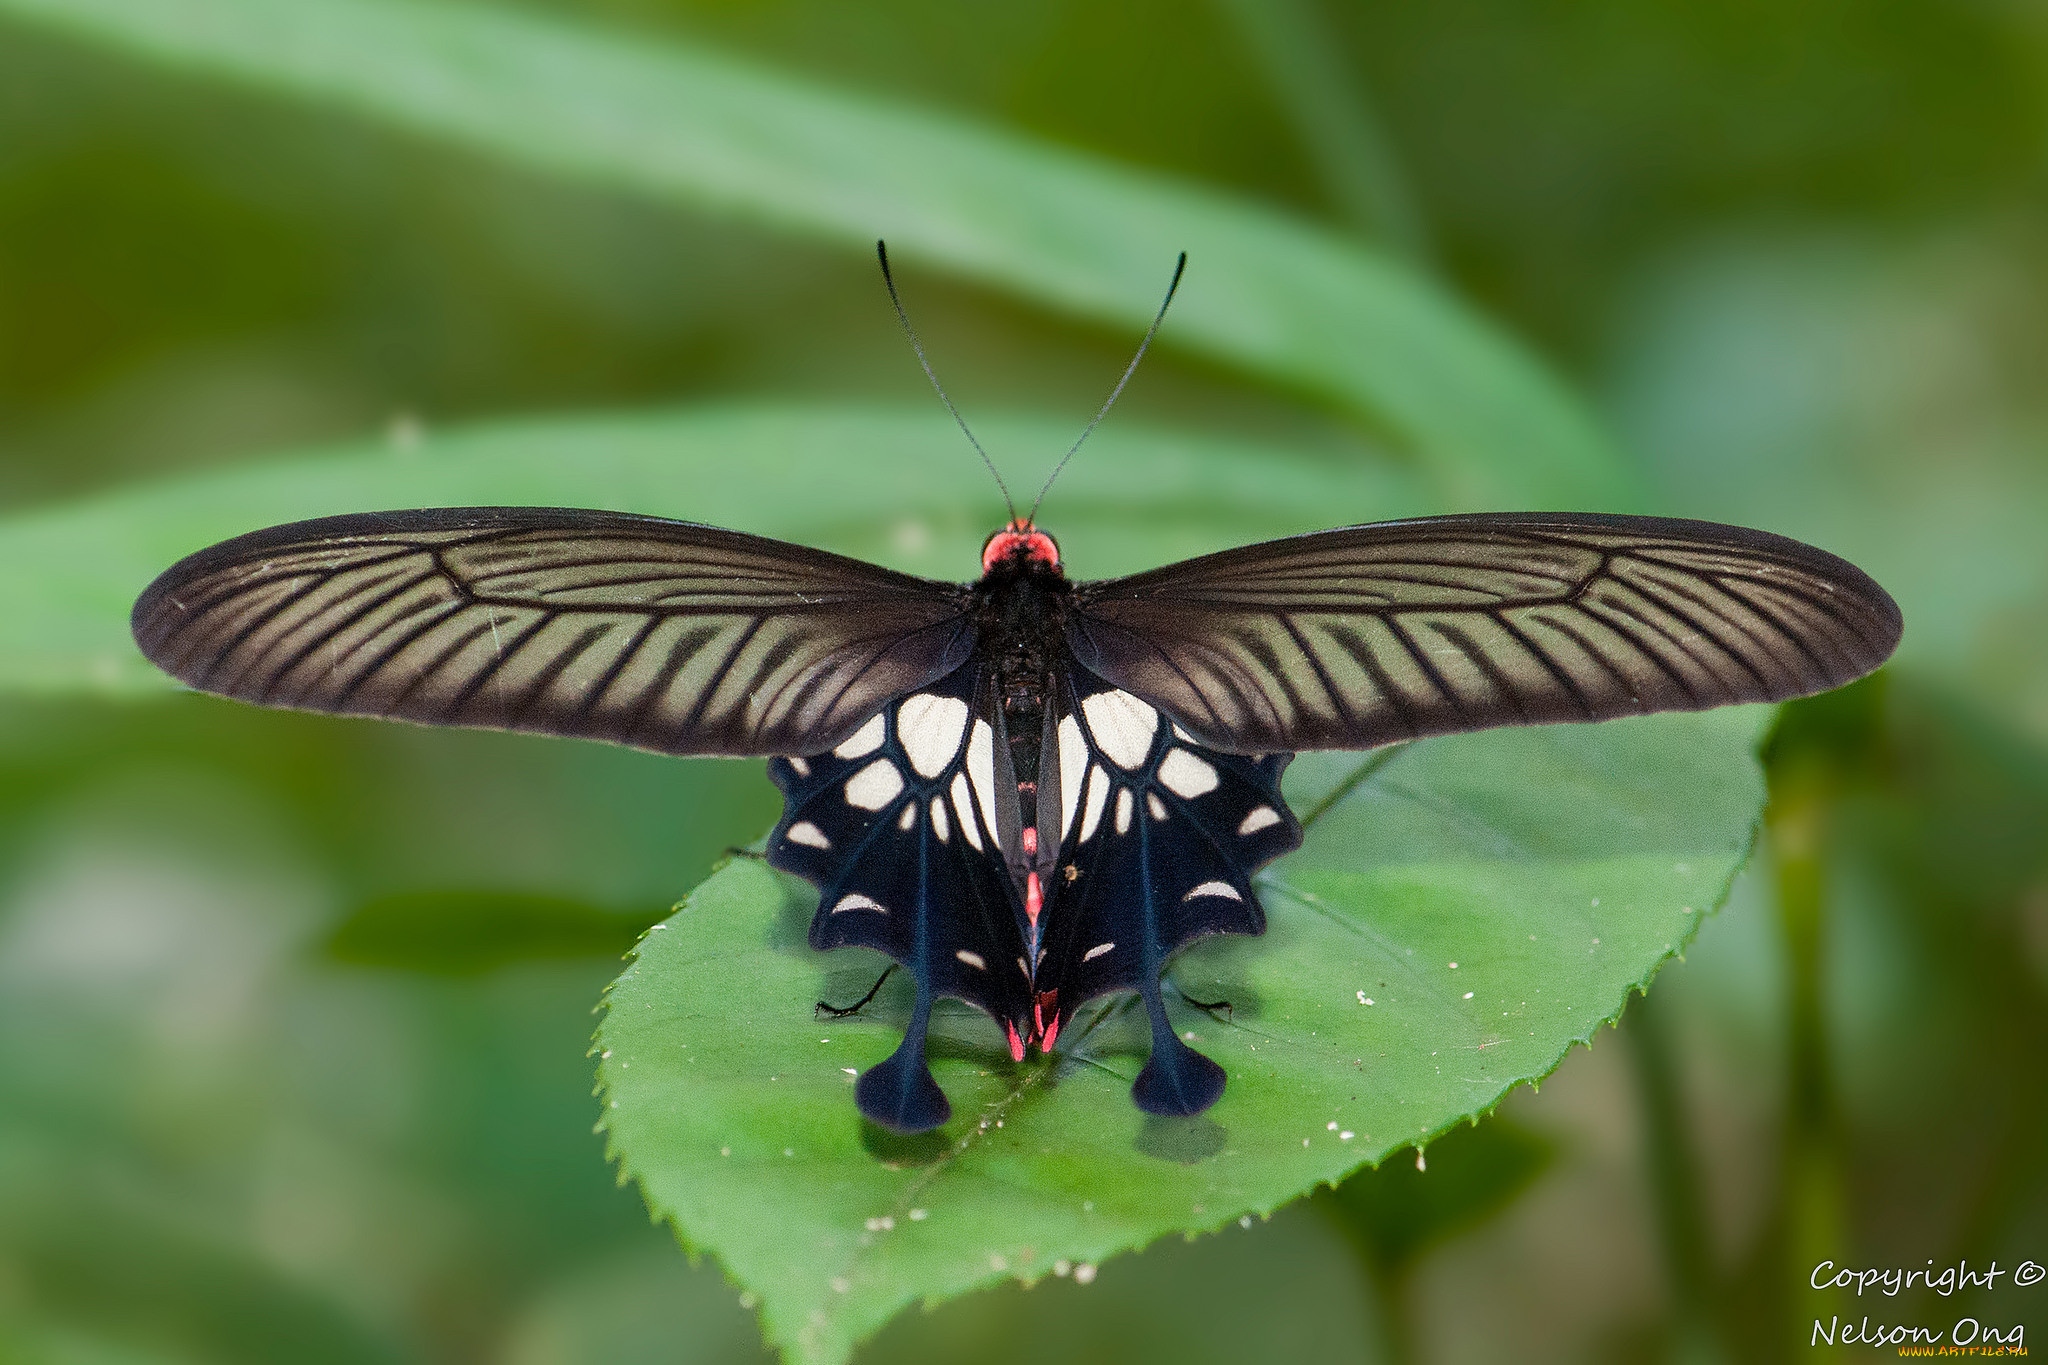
(1179,268)
(882,254)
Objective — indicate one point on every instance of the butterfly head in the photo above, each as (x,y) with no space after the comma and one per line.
(1020,541)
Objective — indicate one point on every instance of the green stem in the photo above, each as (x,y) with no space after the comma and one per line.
(1675,1183)
(1385,1279)
(1812,1223)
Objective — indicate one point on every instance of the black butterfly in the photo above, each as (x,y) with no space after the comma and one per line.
(1028,791)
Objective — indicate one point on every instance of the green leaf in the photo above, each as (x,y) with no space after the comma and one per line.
(1269,294)
(1495,897)
(886,486)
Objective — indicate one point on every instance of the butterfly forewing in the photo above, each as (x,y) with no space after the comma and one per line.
(1362,636)
(659,634)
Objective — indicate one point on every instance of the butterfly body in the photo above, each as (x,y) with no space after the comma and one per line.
(1026,837)
(1028,790)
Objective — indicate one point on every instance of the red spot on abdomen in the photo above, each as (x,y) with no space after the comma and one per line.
(1041,1030)
(1034,899)
(1031,839)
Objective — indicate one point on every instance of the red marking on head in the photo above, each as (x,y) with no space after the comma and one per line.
(1016,1043)
(1034,898)
(1019,540)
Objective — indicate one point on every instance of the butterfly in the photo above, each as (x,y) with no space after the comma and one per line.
(1028,791)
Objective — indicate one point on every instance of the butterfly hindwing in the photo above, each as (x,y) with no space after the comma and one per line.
(894,826)
(1160,837)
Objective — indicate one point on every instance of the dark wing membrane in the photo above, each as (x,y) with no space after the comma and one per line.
(895,827)
(1357,637)
(662,635)
(1159,838)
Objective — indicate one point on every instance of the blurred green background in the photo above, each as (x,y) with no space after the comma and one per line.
(264,1096)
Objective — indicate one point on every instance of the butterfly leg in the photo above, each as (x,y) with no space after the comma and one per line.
(831,1011)
(900,1093)
(1206,1006)
(1176,1079)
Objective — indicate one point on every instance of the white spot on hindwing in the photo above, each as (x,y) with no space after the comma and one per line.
(853,900)
(1122,727)
(939,823)
(1097,951)
(1155,805)
(804,832)
(1223,889)
(1123,810)
(908,818)
(1260,818)
(801,768)
(1073,765)
(981,770)
(963,806)
(1098,792)
(865,740)
(1187,776)
(929,730)
(874,786)
(972,959)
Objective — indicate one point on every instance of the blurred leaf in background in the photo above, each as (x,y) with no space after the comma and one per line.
(1794,253)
